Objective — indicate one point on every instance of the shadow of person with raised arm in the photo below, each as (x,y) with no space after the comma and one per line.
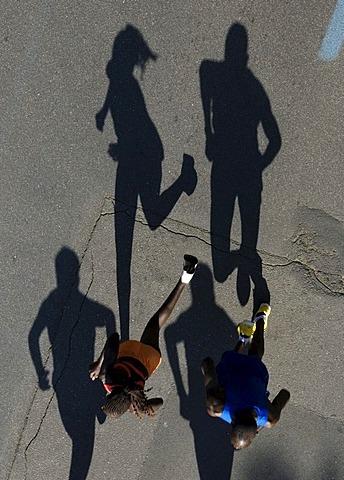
(205,327)
(235,104)
(139,153)
(71,319)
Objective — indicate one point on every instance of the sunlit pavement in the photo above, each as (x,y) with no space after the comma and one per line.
(57,189)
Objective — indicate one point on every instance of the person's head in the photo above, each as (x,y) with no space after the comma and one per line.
(131,50)
(242,436)
(130,399)
(244,430)
(117,403)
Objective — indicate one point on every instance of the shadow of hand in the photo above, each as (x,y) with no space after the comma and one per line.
(185,407)
(101,417)
(210,147)
(100,121)
(44,381)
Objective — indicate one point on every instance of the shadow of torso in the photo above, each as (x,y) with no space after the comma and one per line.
(138,138)
(238,104)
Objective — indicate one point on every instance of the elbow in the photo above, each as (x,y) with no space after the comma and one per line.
(270,424)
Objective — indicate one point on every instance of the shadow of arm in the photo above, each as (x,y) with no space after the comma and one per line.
(206,96)
(272,133)
(37,328)
(101,115)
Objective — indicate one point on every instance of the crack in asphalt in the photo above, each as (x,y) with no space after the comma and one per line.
(55,386)
(285,261)
(32,440)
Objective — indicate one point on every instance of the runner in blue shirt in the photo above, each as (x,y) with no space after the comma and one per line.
(236,390)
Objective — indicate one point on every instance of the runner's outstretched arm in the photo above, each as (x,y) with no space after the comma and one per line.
(100,368)
(276,406)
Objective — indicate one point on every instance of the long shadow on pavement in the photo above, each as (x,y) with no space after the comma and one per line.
(205,329)
(71,319)
(139,154)
(235,104)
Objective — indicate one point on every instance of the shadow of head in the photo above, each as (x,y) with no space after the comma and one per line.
(236,47)
(67,268)
(129,50)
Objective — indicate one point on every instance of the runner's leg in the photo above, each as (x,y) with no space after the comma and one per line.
(257,344)
(239,347)
(150,334)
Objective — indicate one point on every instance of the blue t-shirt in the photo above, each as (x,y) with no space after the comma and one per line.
(245,378)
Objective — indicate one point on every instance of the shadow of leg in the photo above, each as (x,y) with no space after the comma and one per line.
(83,443)
(222,209)
(124,231)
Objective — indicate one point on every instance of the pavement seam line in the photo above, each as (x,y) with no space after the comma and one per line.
(125,211)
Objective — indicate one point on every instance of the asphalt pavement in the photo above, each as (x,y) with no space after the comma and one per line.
(86,238)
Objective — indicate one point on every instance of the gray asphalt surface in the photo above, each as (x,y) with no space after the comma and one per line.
(57,190)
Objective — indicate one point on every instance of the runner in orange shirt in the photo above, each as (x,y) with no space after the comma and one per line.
(125,366)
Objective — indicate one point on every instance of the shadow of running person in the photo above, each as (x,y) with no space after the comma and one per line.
(71,319)
(235,104)
(139,153)
(204,327)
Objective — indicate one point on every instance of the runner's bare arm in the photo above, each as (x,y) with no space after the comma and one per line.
(110,357)
(276,406)
(214,393)
(209,373)
(108,354)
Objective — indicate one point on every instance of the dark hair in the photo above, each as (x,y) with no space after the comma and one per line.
(242,435)
(120,401)
(117,404)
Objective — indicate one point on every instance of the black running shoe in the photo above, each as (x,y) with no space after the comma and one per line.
(190,263)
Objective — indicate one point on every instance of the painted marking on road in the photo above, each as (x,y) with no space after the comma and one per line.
(334,37)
